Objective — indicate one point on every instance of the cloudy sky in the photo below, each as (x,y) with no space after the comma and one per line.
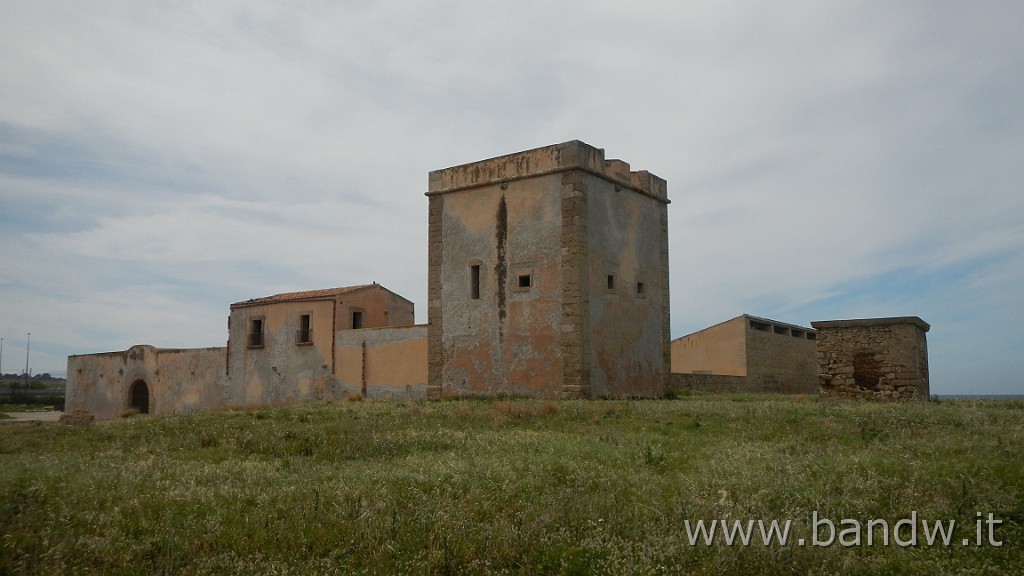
(825,160)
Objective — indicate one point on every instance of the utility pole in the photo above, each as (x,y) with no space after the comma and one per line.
(28,348)
(1,357)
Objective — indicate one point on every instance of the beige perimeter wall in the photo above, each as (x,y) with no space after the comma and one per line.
(178,380)
(383,362)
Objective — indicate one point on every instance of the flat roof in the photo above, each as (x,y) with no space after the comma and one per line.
(867,322)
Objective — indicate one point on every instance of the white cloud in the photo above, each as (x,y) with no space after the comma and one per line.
(203,153)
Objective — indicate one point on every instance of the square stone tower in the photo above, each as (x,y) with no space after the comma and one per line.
(873,358)
(548,276)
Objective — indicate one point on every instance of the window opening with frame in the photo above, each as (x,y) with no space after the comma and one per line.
(304,335)
(474,282)
(256,333)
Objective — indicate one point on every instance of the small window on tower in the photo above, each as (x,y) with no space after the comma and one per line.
(641,290)
(474,282)
(357,319)
(611,281)
(522,278)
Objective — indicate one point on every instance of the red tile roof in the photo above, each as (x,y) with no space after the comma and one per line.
(301,296)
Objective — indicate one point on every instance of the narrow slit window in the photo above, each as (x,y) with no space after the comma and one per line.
(474,282)
(611,281)
(640,289)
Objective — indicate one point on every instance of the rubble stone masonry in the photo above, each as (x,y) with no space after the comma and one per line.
(876,358)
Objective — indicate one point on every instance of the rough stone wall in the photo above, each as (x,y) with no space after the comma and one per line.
(177,380)
(878,358)
(388,363)
(574,325)
(783,360)
(680,383)
(528,220)
(435,296)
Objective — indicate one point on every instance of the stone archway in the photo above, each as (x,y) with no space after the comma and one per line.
(138,397)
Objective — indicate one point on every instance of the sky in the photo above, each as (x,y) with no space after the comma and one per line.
(825,160)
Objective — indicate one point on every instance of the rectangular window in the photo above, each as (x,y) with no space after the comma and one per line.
(474,282)
(611,281)
(525,280)
(640,289)
(357,319)
(256,333)
(304,335)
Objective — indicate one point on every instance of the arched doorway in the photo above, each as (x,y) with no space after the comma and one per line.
(138,397)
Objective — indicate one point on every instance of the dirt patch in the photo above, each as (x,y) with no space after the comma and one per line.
(31,417)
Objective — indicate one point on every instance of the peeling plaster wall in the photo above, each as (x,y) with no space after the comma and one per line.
(282,370)
(631,354)
(178,380)
(505,341)
(285,370)
(386,363)
(528,216)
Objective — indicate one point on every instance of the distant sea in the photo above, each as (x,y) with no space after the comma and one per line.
(980,396)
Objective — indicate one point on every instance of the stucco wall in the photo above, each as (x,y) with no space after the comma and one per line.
(282,370)
(505,341)
(386,363)
(766,356)
(873,358)
(178,380)
(380,307)
(528,215)
(719,349)
(628,344)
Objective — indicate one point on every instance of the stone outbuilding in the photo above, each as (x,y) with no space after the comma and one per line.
(746,354)
(548,276)
(873,358)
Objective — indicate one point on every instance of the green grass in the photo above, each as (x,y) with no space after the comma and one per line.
(509,486)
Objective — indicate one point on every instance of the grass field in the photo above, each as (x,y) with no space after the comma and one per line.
(516,486)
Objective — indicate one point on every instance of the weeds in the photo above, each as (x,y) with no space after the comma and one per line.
(506,486)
